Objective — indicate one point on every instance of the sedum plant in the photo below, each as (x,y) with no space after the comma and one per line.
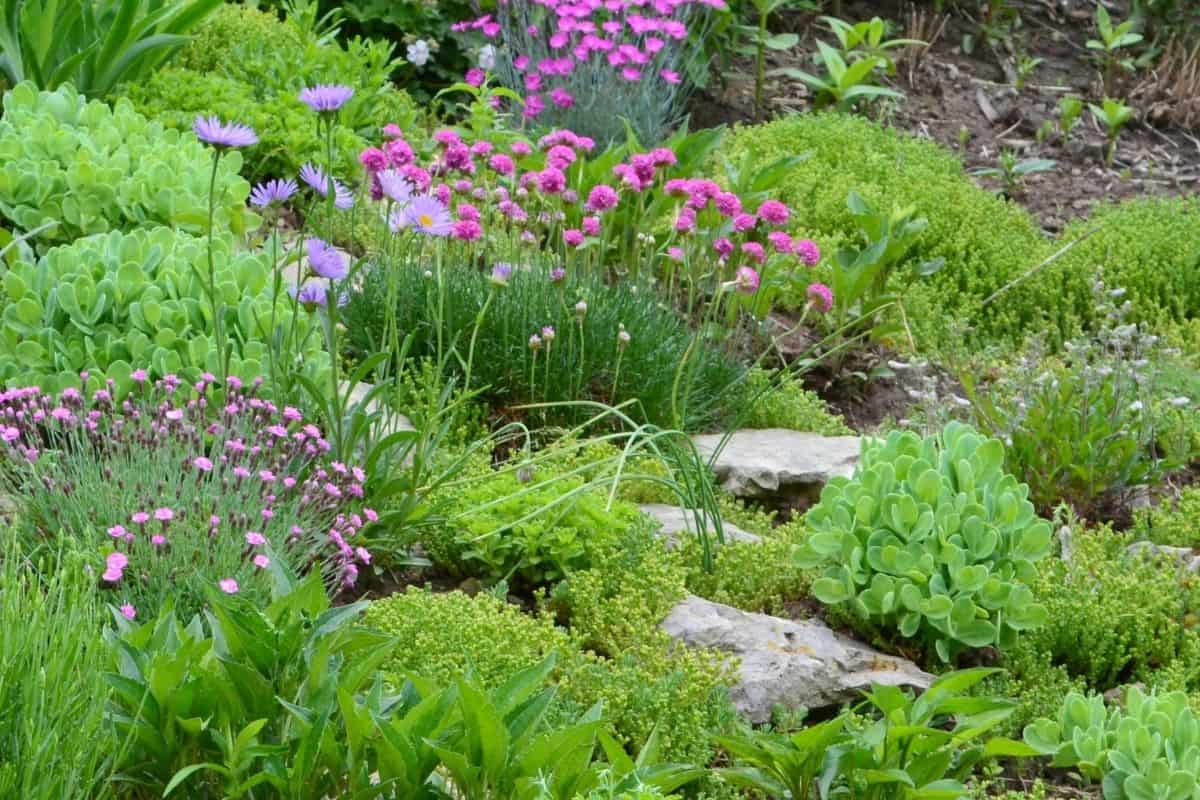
(108,303)
(69,168)
(1147,750)
(933,537)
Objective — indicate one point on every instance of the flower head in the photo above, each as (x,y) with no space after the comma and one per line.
(203,464)
(820,297)
(228,585)
(128,611)
(429,216)
(325,260)
(223,135)
(272,192)
(325,98)
(746,280)
(394,185)
(774,212)
(418,53)
(808,252)
(501,272)
(316,178)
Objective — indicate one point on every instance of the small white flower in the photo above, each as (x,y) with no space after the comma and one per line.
(1136,405)
(1116,293)
(1180,402)
(418,53)
(487,57)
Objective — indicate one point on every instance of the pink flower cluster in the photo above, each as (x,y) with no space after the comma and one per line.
(549,40)
(246,472)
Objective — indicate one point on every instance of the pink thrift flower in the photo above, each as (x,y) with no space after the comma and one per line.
(573,237)
(111,575)
(164,514)
(561,97)
(117,532)
(746,280)
(534,106)
(781,242)
(754,251)
(728,204)
(128,611)
(602,197)
(373,159)
(669,76)
(140,517)
(228,585)
(820,297)
(203,464)
(808,252)
(475,76)
(675,253)
(261,561)
(723,246)
(591,226)
(774,212)
(116,560)
(158,540)
(744,222)
(466,230)
(255,539)
(138,376)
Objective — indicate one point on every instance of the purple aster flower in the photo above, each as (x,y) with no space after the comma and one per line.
(324,260)
(326,98)
(319,181)
(312,296)
(273,192)
(429,216)
(223,135)
(501,272)
(394,185)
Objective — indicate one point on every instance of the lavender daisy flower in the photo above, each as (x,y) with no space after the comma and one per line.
(394,185)
(273,192)
(325,260)
(223,135)
(501,272)
(326,98)
(310,295)
(313,296)
(319,181)
(429,216)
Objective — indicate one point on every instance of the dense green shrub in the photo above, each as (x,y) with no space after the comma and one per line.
(443,635)
(533,531)
(503,362)
(1175,523)
(92,169)
(931,536)
(111,303)
(985,241)
(787,404)
(1114,618)
(1148,246)
(643,686)
(246,65)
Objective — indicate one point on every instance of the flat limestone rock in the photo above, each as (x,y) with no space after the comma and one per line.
(776,461)
(679,523)
(786,663)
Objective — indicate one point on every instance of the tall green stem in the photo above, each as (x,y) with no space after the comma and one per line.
(218,306)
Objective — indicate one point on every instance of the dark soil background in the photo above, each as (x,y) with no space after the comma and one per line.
(968,103)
